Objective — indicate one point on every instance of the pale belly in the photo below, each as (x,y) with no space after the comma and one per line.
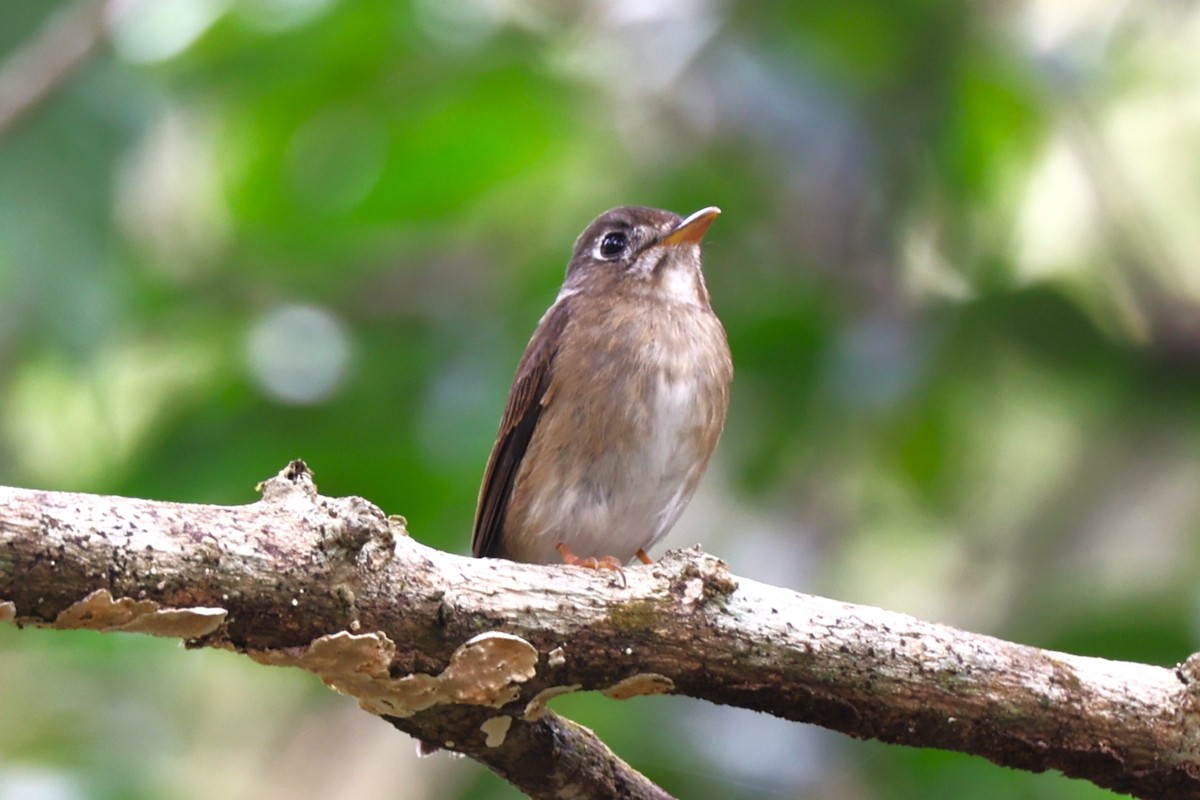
(627,427)
(617,499)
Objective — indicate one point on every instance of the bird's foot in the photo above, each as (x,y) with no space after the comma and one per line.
(590,562)
(642,557)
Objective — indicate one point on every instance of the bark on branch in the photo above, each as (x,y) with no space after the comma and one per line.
(465,653)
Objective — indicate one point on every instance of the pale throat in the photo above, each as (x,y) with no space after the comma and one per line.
(679,279)
(680,285)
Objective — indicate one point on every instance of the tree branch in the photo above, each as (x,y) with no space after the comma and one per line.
(49,59)
(465,653)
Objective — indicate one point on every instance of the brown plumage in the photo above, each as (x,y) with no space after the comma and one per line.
(618,402)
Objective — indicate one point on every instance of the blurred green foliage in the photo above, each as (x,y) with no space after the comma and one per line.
(956,267)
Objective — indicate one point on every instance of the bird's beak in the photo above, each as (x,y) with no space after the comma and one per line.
(692,229)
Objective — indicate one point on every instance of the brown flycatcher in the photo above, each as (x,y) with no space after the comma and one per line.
(617,403)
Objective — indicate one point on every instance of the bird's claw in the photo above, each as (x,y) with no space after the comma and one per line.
(591,562)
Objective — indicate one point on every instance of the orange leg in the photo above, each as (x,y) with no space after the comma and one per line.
(642,557)
(603,562)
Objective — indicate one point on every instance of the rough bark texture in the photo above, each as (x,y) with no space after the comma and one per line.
(464,653)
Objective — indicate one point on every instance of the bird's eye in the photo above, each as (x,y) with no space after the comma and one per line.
(613,244)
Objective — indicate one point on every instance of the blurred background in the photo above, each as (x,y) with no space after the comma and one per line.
(957,266)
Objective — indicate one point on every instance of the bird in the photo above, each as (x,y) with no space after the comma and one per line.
(617,403)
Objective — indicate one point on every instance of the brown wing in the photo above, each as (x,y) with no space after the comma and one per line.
(516,430)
